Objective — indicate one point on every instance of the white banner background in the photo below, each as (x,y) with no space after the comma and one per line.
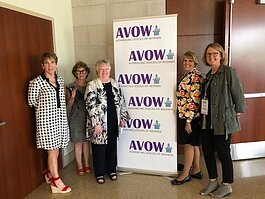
(145,67)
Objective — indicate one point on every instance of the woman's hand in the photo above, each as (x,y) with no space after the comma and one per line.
(122,123)
(73,92)
(188,127)
(98,129)
(71,96)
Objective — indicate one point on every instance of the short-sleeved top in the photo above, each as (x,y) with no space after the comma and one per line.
(77,114)
(52,131)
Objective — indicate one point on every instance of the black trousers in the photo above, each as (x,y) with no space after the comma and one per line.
(105,157)
(210,143)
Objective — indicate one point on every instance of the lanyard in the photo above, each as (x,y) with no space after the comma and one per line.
(207,84)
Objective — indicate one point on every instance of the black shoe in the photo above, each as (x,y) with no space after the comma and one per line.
(100,179)
(198,175)
(176,182)
(180,167)
(113,176)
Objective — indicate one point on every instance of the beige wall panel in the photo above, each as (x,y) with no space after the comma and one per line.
(126,10)
(110,34)
(93,31)
(90,35)
(92,15)
(96,2)
(115,1)
(154,8)
(90,54)
(132,0)
(111,55)
(77,3)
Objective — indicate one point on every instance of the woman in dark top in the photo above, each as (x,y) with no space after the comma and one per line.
(106,113)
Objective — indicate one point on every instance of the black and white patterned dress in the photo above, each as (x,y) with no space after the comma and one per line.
(50,108)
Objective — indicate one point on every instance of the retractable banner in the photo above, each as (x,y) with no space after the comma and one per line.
(145,52)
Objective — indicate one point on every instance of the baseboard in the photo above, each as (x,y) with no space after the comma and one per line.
(68,158)
(248,150)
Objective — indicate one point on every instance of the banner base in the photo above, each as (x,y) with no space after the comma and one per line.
(148,172)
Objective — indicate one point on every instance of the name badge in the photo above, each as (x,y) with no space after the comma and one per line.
(204,107)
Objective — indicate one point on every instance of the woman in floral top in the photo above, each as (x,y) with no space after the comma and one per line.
(188,102)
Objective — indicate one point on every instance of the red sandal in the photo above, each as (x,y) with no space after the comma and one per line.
(80,172)
(87,169)
(47,176)
(56,189)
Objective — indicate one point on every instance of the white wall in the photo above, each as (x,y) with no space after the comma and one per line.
(60,11)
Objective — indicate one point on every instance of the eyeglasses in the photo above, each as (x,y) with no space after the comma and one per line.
(81,72)
(214,54)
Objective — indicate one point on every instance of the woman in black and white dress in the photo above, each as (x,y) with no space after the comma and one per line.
(46,94)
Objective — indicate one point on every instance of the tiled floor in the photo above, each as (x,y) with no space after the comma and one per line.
(249,183)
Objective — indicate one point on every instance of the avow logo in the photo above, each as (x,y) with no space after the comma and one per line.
(137,145)
(135,78)
(140,123)
(146,101)
(149,55)
(135,31)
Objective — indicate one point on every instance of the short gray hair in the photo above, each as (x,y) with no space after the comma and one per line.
(102,61)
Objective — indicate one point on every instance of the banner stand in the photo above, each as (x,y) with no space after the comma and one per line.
(145,53)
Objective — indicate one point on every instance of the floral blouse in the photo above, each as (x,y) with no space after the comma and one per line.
(189,95)
(96,105)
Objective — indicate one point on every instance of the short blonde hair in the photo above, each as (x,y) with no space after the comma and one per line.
(191,55)
(220,49)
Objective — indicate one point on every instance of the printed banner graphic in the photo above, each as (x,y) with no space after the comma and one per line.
(145,52)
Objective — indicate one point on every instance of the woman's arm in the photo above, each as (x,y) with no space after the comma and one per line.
(33,93)
(236,90)
(92,104)
(70,96)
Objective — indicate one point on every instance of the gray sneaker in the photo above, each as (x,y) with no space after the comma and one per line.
(212,186)
(222,191)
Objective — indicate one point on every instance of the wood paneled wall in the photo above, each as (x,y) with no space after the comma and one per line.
(23,39)
(247,57)
(199,23)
